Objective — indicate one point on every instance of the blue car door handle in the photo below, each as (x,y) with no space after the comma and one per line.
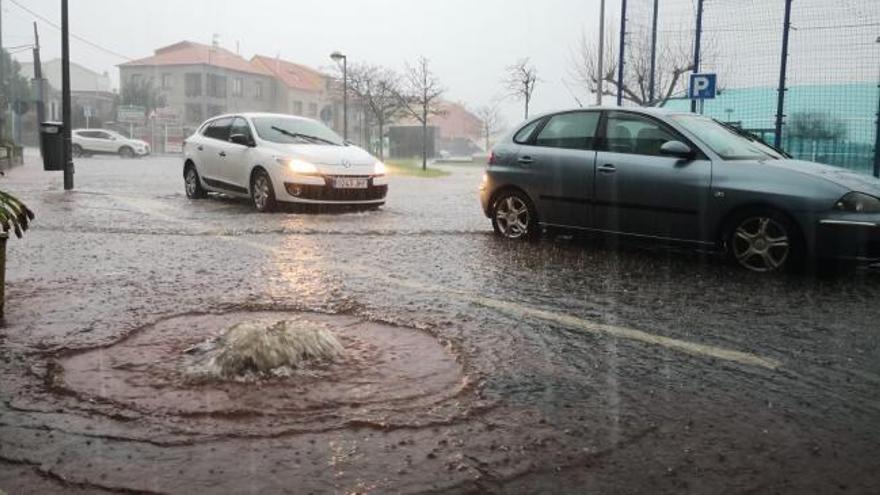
(608,169)
(526,160)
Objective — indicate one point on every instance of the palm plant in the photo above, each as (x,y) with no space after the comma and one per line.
(14,215)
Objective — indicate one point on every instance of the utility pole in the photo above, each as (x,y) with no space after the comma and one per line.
(601,75)
(653,56)
(65,90)
(39,84)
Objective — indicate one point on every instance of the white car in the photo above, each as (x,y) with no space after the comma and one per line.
(273,158)
(103,141)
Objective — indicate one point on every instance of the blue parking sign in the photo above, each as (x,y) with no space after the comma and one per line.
(702,86)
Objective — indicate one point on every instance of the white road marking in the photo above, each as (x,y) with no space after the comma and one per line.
(516,309)
(573,322)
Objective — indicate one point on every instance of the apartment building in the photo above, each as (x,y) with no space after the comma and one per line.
(201,81)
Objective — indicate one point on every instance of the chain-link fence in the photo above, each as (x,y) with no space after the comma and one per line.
(829,106)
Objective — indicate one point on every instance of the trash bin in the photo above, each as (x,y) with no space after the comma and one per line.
(52,145)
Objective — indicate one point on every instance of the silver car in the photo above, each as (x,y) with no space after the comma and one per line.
(678,177)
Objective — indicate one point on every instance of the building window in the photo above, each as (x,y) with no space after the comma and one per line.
(216,86)
(194,113)
(166,81)
(297,108)
(258,90)
(136,79)
(237,87)
(313,110)
(193,85)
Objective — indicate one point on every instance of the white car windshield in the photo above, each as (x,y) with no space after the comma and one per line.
(727,142)
(295,131)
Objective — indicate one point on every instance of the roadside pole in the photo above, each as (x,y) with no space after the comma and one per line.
(698,40)
(65,90)
(783,67)
(652,82)
(877,129)
(2,78)
(622,50)
(600,77)
(39,85)
(877,136)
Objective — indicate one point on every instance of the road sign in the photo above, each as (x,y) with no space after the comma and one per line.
(130,114)
(702,86)
(166,116)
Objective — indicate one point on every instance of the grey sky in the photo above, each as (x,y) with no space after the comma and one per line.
(468,41)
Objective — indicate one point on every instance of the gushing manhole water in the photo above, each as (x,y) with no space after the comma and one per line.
(304,371)
(253,350)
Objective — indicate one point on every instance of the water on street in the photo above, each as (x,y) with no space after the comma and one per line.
(475,364)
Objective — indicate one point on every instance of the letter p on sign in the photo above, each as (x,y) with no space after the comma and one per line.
(702,86)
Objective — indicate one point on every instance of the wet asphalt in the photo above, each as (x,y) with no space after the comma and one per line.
(587,366)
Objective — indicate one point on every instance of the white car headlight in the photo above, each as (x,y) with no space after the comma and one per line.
(298,166)
(379,169)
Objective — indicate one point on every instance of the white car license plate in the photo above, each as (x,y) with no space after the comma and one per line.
(350,183)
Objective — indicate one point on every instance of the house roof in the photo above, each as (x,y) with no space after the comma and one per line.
(81,78)
(455,121)
(292,75)
(192,53)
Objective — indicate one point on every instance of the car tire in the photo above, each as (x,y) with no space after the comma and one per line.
(514,216)
(262,192)
(126,152)
(77,151)
(193,184)
(765,241)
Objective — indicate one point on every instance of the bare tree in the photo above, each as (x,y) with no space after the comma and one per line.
(816,126)
(674,60)
(490,115)
(377,88)
(420,97)
(520,81)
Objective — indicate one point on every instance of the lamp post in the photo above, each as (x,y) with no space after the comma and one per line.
(337,56)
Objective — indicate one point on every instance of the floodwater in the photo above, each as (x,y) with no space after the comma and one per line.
(476,366)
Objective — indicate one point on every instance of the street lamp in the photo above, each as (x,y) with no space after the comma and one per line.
(337,56)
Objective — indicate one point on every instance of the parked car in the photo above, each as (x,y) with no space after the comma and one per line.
(107,142)
(670,176)
(273,158)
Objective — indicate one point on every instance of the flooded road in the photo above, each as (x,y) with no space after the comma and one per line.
(481,366)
